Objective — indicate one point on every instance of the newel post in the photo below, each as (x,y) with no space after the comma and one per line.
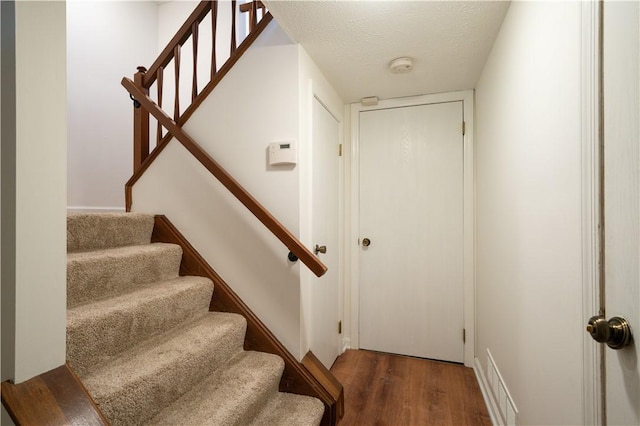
(140,124)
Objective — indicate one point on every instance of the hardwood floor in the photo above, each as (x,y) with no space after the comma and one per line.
(384,389)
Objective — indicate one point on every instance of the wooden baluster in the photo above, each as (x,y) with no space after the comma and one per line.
(194,40)
(263,10)
(233,26)
(253,16)
(176,62)
(250,10)
(214,21)
(140,125)
(159,82)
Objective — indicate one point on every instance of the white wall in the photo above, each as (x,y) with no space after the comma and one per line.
(235,124)
(171,16)
(528,171)
(40,187)
(106,41)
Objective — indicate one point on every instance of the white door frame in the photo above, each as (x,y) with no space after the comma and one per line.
(592,353)
(353,225)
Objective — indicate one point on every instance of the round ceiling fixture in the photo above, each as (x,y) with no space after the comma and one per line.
(401,65)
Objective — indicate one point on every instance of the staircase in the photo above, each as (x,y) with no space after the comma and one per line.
(147,348)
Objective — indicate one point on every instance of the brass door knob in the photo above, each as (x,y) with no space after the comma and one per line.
(616,332)
(320,249)
(366,242)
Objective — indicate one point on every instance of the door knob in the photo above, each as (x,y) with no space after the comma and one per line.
(320,249)
(366,242)
(616,332)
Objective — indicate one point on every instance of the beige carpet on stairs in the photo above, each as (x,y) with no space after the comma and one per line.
(146,347)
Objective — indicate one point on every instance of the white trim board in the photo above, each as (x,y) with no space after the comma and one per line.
(87,209)
(353,226)
(487,395)
(592,385)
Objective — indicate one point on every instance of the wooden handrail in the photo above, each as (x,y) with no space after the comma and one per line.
(261,213)
(179,39)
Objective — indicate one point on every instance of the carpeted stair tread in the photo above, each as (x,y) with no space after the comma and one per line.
(94,231)
(98,331)
(234,396)
(95,275)
(134,386)
(290,409)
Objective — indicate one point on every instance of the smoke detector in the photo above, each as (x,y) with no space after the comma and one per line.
(401,65)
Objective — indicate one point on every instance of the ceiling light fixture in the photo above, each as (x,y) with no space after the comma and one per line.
(401,65)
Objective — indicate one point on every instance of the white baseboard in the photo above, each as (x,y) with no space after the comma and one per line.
(91,209)
(489,400)
(346,344)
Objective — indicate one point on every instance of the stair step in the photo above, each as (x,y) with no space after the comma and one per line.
(95,275)
(133,387)
(231,397)
(99,331)
(290,409)
(96,231)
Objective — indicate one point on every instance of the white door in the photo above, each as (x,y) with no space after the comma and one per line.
(411,215)
(622,204)
(324,340)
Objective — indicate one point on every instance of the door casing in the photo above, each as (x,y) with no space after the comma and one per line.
(352,174)
(591,102)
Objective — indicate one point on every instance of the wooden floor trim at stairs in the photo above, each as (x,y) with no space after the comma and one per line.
(56,397)
(296,378)
(327,379)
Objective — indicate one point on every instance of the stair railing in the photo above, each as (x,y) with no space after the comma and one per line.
(145,79)
(145,108)
(260,212)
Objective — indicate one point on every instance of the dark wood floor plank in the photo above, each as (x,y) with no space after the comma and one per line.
(72,397)
(53,398)
(390,390)
(19,401)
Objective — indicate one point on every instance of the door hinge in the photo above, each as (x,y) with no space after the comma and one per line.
(464,128)
(339,150)
(339,327)
(464,336)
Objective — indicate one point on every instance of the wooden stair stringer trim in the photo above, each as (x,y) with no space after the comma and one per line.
(224,70)
(327,379)
(296,378)
(56,397)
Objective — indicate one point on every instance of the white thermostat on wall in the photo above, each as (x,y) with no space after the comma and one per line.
(282,153)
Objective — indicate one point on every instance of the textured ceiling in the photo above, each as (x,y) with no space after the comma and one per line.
(353,42)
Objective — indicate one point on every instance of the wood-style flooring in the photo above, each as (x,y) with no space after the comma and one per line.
(394,390)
